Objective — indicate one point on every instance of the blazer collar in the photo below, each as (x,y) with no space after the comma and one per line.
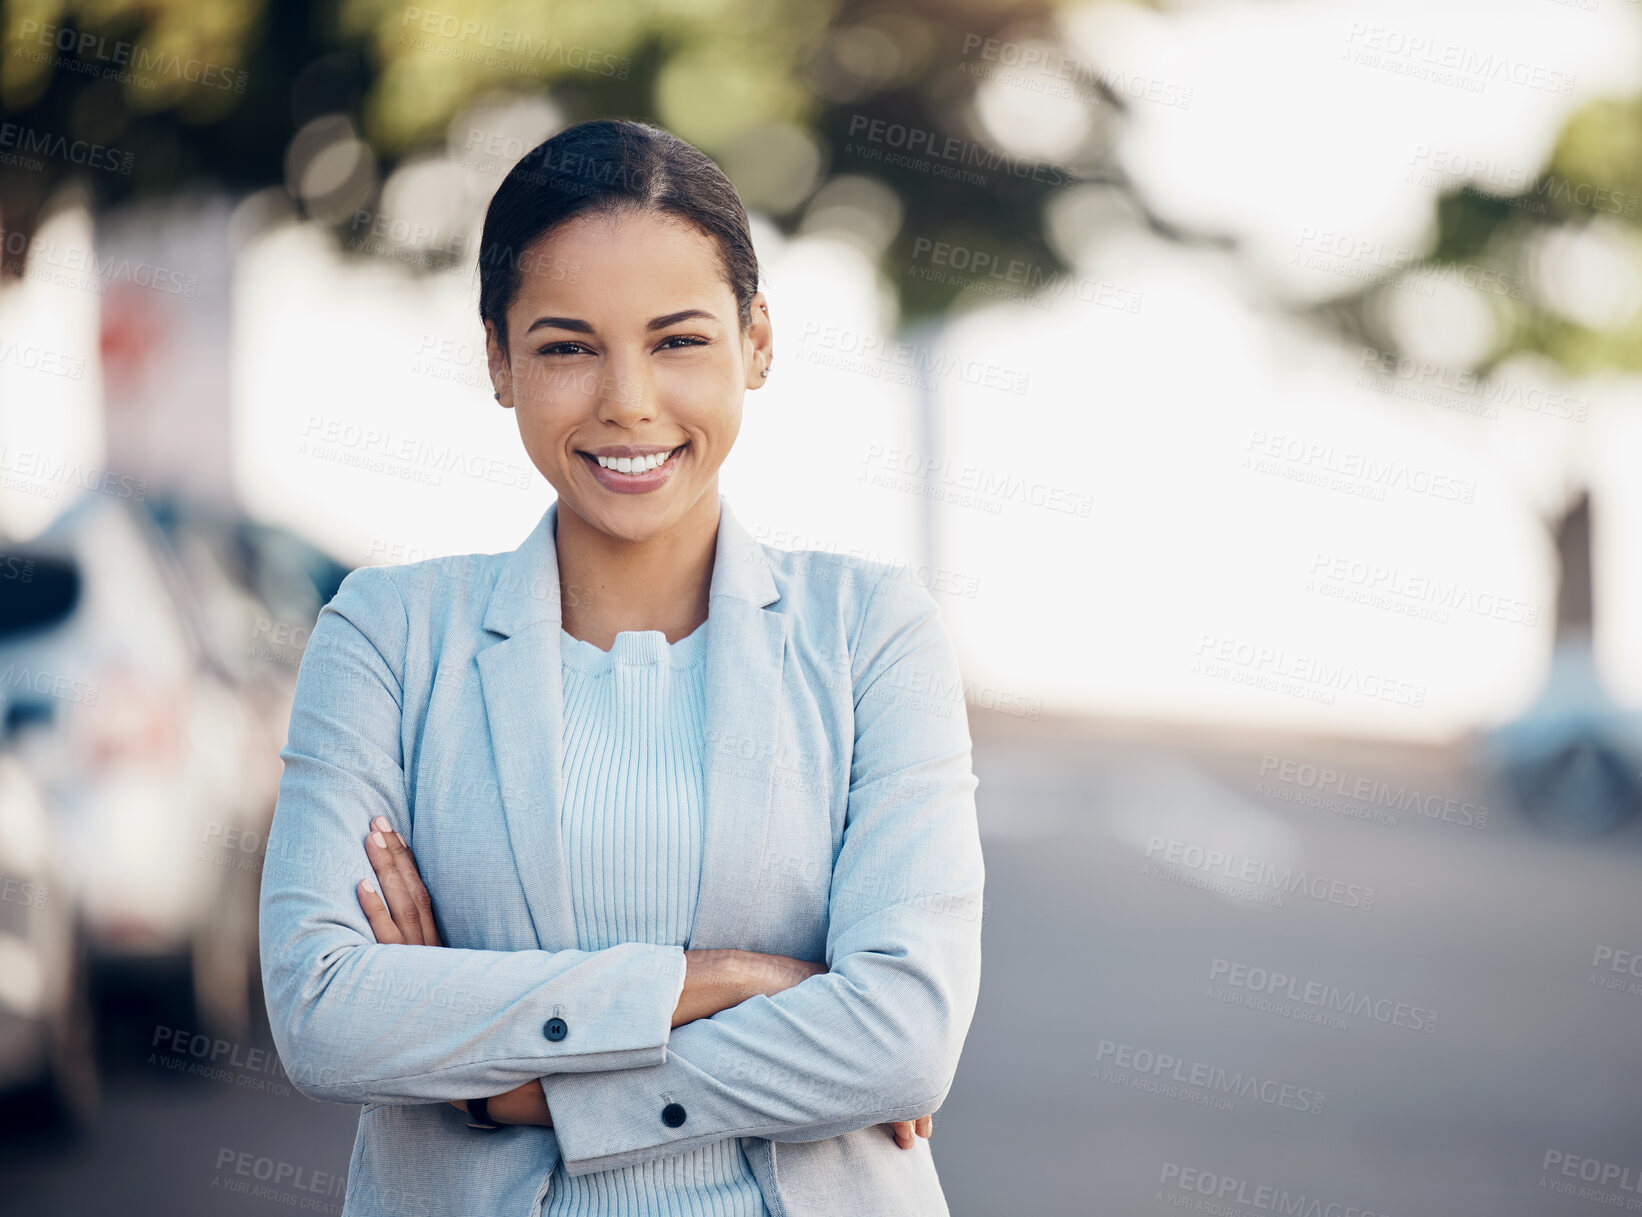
(520,681)
(527,590)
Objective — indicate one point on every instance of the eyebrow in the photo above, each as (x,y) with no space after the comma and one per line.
(576,325)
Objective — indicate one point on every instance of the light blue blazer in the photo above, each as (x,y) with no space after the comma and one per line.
(840,826)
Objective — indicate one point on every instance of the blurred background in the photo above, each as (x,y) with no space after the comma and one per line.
(1255,386)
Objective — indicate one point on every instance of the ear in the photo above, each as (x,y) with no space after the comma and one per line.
(501,371)
(758,344)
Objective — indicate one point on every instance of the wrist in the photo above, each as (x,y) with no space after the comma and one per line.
(479,1116)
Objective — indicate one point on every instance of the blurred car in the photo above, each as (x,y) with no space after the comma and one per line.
(1572,758)
(48,1041)
(164,722)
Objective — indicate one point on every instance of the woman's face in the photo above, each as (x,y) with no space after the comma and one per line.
(624,336)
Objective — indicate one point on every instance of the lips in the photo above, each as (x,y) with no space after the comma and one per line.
(633,460)
(634,483)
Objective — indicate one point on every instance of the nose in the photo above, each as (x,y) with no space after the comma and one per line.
(626,391)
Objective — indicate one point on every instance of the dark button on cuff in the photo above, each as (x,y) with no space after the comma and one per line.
(672,1115)
(555,1029)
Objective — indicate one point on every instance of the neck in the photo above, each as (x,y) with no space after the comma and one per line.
(609,584)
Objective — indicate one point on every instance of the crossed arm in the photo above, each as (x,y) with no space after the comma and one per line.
(401,912)
(750,1044)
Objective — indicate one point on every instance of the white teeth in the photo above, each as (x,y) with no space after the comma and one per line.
(633,464)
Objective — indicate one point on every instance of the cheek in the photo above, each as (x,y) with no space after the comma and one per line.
(708,383)
(541,428)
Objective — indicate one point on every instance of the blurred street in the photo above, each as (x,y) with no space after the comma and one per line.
(1256,390)
(1325,1086)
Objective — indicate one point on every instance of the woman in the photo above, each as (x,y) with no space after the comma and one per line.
(624,788)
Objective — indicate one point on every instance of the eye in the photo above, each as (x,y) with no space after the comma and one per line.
(563,348)
(687,340)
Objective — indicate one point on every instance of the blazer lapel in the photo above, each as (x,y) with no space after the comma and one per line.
(520,680)
(746,655)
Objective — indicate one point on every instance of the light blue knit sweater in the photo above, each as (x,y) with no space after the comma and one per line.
(632,823)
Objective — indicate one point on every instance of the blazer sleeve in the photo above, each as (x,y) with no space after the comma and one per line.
(356,1021)
(878,1036)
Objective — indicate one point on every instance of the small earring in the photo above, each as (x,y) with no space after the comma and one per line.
(766,371)
(497,395)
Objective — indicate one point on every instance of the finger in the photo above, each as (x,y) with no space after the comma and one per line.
(395,891)
(377,914)
(925,1125)
(405,861)
(903,1133)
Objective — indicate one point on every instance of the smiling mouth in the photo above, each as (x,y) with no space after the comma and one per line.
(634,466)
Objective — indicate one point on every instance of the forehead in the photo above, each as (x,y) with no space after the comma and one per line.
(608,264)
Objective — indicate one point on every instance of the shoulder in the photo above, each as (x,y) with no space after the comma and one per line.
(411,610)
(872,603)
(450,584)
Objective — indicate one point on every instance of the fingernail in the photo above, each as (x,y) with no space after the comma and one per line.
(382,823)
(369,888)
(380,840)
(401,837)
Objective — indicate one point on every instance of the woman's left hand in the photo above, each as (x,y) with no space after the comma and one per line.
(407,917)
(903,1130)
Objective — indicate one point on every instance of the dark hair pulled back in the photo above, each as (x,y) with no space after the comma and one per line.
(605,166)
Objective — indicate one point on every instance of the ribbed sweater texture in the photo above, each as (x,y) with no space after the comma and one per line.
(632,824)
